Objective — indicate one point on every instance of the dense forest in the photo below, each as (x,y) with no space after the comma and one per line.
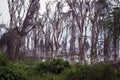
(69,40)
(76,30)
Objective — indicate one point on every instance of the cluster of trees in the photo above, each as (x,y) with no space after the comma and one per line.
(77,30)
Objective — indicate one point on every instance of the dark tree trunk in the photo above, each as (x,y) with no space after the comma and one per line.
(11,41)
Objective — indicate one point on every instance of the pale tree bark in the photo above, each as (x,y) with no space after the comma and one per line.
(80,13)
(20,27)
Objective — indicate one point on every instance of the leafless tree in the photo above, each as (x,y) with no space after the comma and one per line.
(18,27)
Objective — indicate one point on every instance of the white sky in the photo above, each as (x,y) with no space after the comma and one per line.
(4,11)
(4,18)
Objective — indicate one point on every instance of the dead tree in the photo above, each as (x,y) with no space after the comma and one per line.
(80,10)
(19,30)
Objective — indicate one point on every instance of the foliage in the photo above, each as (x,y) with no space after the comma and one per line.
(6,71)
(90,72)
(3,60)
(8,74)
(49,76)
(56,69)
(55,66)
(21,68)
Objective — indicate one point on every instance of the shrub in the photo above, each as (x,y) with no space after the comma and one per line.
(90,72)
(107,73)
(8,74)
(49,76)
(3,60)
(55,66)
(58,65)
(117,73)
(69,74)
(80,72)
(21,68)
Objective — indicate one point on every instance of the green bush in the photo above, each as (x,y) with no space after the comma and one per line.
(55,66)
(8,74)
(56,69)
(58,65)
(90,72)
(22,68)
(3,60)
(107,73)
(79,72)
(69,74)
(117,73)
(49,76)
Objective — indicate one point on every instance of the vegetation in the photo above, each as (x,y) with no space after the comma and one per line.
(55,66)
(85,31)
(6,71)
(56,69)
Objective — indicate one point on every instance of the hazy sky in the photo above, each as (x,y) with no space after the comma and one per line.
(4,11)
(4,18)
